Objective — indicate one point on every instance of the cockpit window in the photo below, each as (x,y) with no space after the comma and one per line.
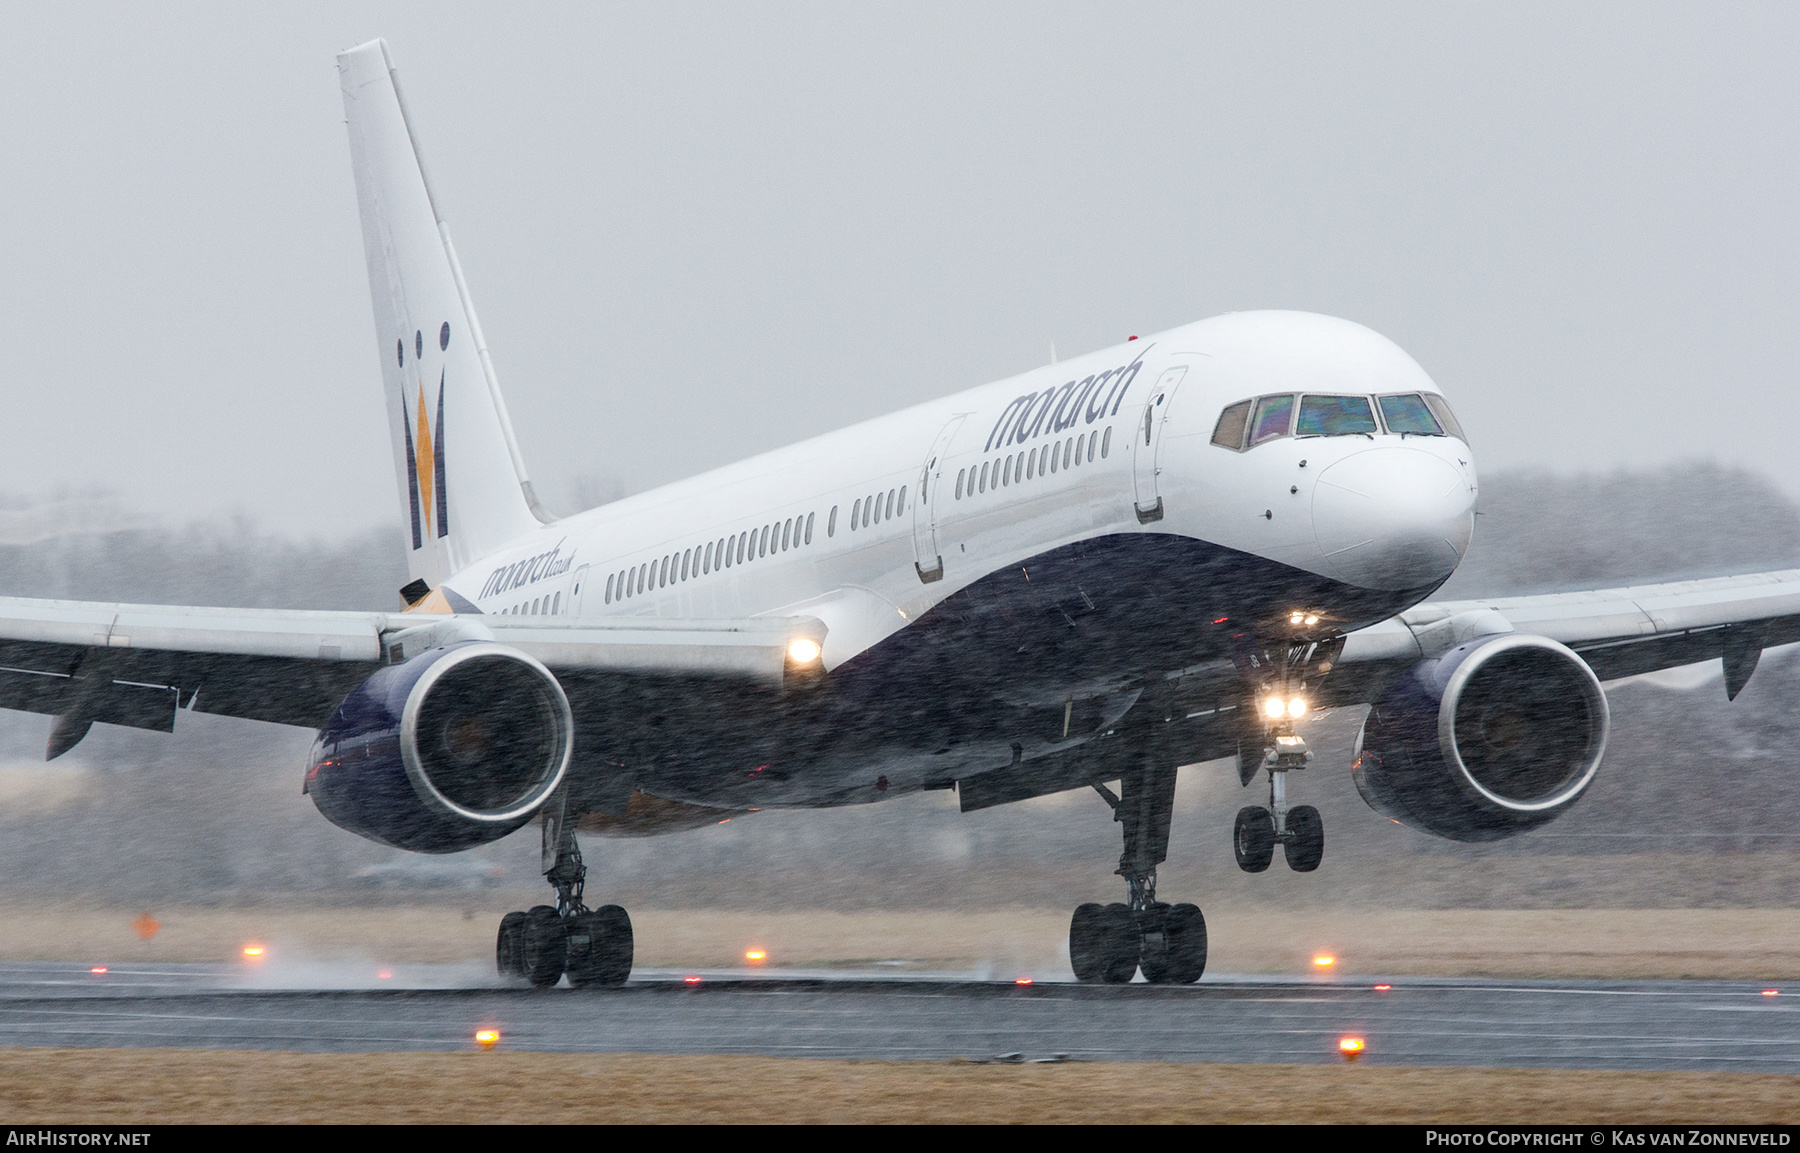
(1273,416)
(1335,416)
(1408,414)
(1248,423)
(1441,410)
(1229,432)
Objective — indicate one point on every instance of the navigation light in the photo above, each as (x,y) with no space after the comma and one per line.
(803,650)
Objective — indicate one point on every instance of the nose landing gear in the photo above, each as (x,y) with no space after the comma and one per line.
(592,946)
(1283,679)
(1299,830)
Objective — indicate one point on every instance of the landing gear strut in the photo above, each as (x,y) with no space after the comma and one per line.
(1108,944)
(593,947)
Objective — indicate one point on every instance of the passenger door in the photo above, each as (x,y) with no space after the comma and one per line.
(928,560)
(1148,442)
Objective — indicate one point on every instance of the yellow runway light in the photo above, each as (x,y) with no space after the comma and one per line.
(487,1038)
(1351,1047)
(1322,961)
(254,952)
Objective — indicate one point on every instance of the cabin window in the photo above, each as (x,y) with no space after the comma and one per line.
(831,522)
(855,513)
(1335,416)
(1056,451)
(706,559)
(960,473)
(743,540)
(809,520)
(1006,472)
(1229,432)
(609,587)
(900,505)
(686,555)
(662,572)
(787,526)
(868,510)
(890,505)
(558,606)
(1106,443)
(763,548)
(984,468)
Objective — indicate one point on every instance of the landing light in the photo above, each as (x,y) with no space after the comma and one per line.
(803,650)
(1296,708)
(1274,707)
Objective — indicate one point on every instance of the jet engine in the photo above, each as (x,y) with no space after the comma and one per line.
(453,748)
(1496,736)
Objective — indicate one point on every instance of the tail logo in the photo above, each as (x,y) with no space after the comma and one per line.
(425,469)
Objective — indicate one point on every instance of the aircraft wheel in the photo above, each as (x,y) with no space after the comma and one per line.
(1103,944)
(1118,944)
(1305,846)
(1253,838)
(600,948)
(546,946)
(1084,943)
(509,946)
(1184,947)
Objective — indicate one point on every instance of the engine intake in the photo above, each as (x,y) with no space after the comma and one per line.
(454,748)
(1496,736)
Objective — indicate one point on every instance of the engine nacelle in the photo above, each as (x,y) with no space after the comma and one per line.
(1494,737)
(454,748)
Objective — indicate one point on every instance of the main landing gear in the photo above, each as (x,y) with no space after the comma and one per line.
(1109,944)
(592,946)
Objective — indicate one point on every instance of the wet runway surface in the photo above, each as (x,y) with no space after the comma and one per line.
(1719,1025)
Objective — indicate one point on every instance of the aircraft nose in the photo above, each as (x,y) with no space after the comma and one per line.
(1393,518)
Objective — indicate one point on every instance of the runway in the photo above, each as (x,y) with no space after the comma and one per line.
(1694,1025)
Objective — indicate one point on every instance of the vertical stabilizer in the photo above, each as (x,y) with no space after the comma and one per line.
(463,489)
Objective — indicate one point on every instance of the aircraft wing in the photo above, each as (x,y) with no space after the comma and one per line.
(1619,632)
(137,665)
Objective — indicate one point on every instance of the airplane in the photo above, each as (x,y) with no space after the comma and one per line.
(1165,552)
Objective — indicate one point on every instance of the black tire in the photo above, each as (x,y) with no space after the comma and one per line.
(1305,846)
(1184,951)
(509,946)
(1118,944)
(1253,838)
(1085,953)
(546,946)
(600,948)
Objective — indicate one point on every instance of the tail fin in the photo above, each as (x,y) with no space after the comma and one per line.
(463,488)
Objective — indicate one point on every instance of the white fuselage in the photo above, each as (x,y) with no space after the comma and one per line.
(1374,511)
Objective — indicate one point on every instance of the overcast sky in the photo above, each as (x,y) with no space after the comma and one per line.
(697,232)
